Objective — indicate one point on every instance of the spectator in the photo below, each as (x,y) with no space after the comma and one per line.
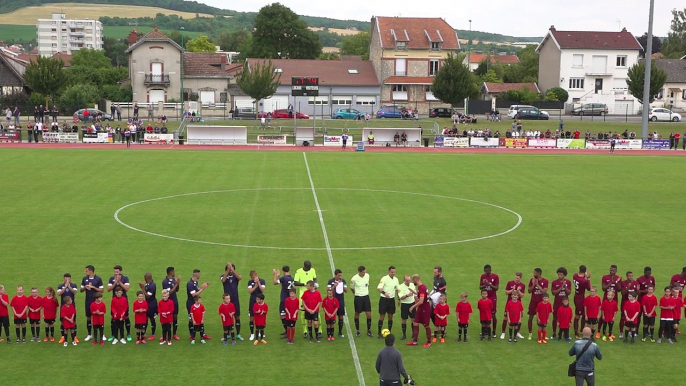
(164,129)
(149,129)
(16,114)
(118,112)
(54,112)
(86,115)
(585,365)
(151,111)
(577,134)
(35,113)
(8,114)
(632,135)
(113,110)
(135,113)
(41,113)
(370,138)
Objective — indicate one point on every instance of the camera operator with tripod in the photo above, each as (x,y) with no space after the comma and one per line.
(389,365)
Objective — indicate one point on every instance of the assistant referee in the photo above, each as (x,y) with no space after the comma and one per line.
(389,364)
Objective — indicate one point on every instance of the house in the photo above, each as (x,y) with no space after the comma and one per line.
(342,84)
(673,93)
(59,34)
(475,58)
(407,53)
(592,66)
(11,75)
(491,90)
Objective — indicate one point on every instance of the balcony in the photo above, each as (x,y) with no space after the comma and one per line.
(76,41)
(77,26)
(156,79)
(77,33)
(400,73)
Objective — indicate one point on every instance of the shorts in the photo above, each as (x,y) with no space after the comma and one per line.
(405,311)
(34,321)
(251,304)
(592,321)
(362,304)
(578,306)
(532,308)
(152,314)
(460,325)
(542,325)
(314,317)
(290,323)
(140,326)
(648,320)
(262,327)
(197,327)
(422,317)
(485,322)
(88,309)
(677,321)
(514,324)
(49,321)
(228,328)
(631,324)
(495,306)
(20,321)
(386,306)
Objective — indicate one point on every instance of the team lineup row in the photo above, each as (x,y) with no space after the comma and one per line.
(300,299)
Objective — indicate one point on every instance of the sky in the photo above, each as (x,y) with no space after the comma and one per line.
(523,18)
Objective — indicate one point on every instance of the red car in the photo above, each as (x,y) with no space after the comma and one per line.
(283,113)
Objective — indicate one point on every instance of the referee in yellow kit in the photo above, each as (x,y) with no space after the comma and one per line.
(388,288)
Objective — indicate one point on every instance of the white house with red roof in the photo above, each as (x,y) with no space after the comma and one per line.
(591,65)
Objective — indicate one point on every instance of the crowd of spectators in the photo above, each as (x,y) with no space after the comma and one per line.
(462,119)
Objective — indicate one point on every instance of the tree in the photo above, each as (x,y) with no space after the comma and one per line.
(45,76)
(526,70)
(674,46)
(280,33)
(559,93)
(232,41)
(260,81)
(491,77)
(90,58)
(482,68)
(453,81)
(115,50)
(200,44)
(329,56)
(79,96)
(643,40)
(522,95)
(357,44)
(636,76)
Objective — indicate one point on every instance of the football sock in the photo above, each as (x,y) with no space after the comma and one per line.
(554,326)
(380,326)
(538,335)
(340,327)
(18,331)
(23,332)
(390,325)
(283,323)
(202,329)
(252,327)
(233,336)
(510,332)
(369,324)
(73,335)
(428,334)
(52,331)
(621,325)
(604,329)
(89,327)
(238,327)
(435,333)
(645,331)
(404,328)
(316,331)
(652,331)
(47,332)
(483,330)
(465,332)
(153,326)
(33,332)
(357,324)
(176,326)
(530,325)
(576,325)
(612,325)
(127,323)
(62,331)
(190,327)
(309,331)
(593,334)
(442,333)
(415,332)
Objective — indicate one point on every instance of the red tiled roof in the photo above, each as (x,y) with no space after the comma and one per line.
(329,72)
(420,32)
(409,80)
(65,58)
(622,40)
(205,64)
(503,59)
(494,88)
(155,34)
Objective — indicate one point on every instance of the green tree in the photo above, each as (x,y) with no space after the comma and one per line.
(674,46)
(526,70)
(454,82)
(233,40)
(482,68)
(329,56)
(91,58)
(279,30)
(175,35)
(560,94)
(45,76)
(522,95)
(79,96)
(636,76)
(357,44)
(115,50)
(259,81)
(200,44)
(491,77)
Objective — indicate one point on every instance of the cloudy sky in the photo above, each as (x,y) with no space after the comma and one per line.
(515,18)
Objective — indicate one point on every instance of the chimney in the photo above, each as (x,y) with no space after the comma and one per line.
(624,29)
(552,28)
(133,37)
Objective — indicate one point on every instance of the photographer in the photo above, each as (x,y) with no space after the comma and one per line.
(389,365)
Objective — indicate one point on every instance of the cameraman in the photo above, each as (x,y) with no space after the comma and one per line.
(389,364)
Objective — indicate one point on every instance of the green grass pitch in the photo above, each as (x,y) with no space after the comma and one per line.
(57,216)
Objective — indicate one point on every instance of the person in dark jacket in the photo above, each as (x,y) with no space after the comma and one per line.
(585,365)
(389,364)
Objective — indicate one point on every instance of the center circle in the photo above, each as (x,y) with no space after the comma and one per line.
(346,214)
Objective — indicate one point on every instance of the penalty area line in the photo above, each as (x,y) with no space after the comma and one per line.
(353,347)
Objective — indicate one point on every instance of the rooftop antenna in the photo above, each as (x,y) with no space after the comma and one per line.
(619,24)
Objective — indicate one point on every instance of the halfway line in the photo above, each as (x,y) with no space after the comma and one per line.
(353,347)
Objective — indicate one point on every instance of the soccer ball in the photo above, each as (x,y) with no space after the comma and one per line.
(385,332)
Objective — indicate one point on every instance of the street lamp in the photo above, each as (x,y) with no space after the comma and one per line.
(646,79)
(469,57)
(182,51)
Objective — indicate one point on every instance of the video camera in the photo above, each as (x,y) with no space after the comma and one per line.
(409,380)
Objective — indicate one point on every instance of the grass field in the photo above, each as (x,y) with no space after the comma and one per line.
(598,210)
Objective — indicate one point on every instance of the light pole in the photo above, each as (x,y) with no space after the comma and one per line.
(469,57)
(182,52)
(646,76)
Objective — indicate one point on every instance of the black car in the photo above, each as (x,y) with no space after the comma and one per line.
(531,113)
(441,112)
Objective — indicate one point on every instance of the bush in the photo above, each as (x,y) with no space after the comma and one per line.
(79,96)
(561,94)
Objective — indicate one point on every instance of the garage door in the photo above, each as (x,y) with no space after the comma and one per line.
(623,107)
(243,101)
(274,103)
(155,96)
(206,97)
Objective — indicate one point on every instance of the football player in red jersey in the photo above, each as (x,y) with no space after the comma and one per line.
(462,311)
(609,310)
(666,316)
(514,310)
(679,280)
(564,320)
(485,306)
(538,285)
(628,286)
(490,282)
(561,288)
(632,311)
(582,283)
(611,282)
(543,311)
(423,313)
(649,309)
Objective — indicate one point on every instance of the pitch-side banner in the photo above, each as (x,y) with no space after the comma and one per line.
(629,144)
(656,144)
(159,138)
(455,142)
(272,139)
(483,142)
(96,138)
(513,142)
(10,136)
(542,143)
(336,140)
(598,144)
(60,137)
(566,143)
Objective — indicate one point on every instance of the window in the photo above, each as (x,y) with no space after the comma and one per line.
(435,46)
(318,100)
(399,93)
(578,60)
(278,70)
(660,94)
(621,60)
(353,71)
(400,67)
(683,95)
(576,83)
(429,94)
(341,100)
(620,84)
(399,88)
(401,46)
(433,67)
(365,100)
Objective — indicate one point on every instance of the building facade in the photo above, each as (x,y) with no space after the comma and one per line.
(62,35)
(673,93)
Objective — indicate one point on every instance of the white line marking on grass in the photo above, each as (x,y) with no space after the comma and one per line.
(353,348)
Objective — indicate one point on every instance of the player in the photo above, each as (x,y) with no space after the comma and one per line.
(20,309)
(564,320)
(649,310)
(543,311)
(292,306)
(193,290)
(140,319)
(197,314)
(490,283)
(120,280)
(312,302)
(286,281)
(561,288)
(65,290)
(388,288)
(119,308)
(678,305)
(441,312)
(97,311)
(609,309)
(35,304)
(629,285)
(406,298)
(91,284)
(171,284)
(514,310)
(67,312)
(230,281)
(592,305)
(259,311)
(359,285)
(513,286)
(632,311)
(679,280)
(256,286)
(5,315)
(462,311)
(666,316)
(302,276)
(485,307)
(538,285)
(50,307)
(423,312)
(582,283)
(611,282)
(340,288)
(227,311)
(166,309)
(330,306)
(149,289)
(645,281)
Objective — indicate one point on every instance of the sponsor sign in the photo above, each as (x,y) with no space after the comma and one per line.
(656,144)
(629,144)
(566,143)
(598,144)
(513,142)
(541,143)
(483,142)
(96,137)
(455,142)
(272,139)
(159,138)
(49,137)
(336,140)
(439,141)
(10,136)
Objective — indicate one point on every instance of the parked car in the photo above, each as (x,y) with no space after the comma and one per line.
(390,111)
(283,113)
(512,111)
(441,112)
(531,113)
(662,114)
(347,114)
(92,113)
(591,109)
(246,113)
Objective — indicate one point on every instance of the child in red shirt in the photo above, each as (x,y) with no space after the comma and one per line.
(119,307)
(649,309)
(227,311)
(462,311)
(514,310)
(140,311)
(20,308)
(166,310)
(678,305)
(198,319)
(592,305)
(291,307)
(666,316)
(35,304)
(632,311)
(311,302)
(485,307)
(4,314)
(98,311)
(259,311)
(442,310)
(609,309)
(564,320)
(68,314)
(50,306)
(330,306)
(543,311)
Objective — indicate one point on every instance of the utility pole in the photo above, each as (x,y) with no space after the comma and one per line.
(182,52)
(469,57)
(646,80)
